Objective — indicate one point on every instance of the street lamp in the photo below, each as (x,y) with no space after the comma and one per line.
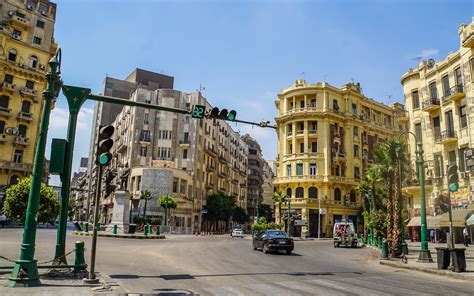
(288,222)
(425,255)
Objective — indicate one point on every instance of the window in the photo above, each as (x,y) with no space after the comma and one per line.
(356,131)
(416,99)
(37,40)
(8,78)
(353,196)
(145,118)
(313,103)
(16,34)
(143,151)
(337,170)
(452,157)
(354,109)
(30,84)
(335,105)
(175,185)
(17,156)
(463,116)
(299,192)
(2,126)
(288,169)
(457,76)
(14,180)
(314,125)
(301,147)
(418,132)
(288,192)
(445,83)
(39,24)
(433,90)
(337,194)
(356,173)
(12,55)
(290,150)
(145,135)
(302,104)
(313,192)
(182,187)
(356,150)
(438,166)
(299,169)
(185,153)
(187,119)
(25,106)
(314,147)
(33,62)
(462,160)
(312,169)
(22,130)
(4,100)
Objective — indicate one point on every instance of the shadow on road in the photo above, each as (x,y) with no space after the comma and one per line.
(171,277)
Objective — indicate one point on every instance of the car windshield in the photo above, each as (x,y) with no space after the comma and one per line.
(277,233)
(237,229)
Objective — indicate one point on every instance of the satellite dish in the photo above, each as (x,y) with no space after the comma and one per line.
(431,63)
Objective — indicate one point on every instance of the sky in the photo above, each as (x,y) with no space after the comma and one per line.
(245,52)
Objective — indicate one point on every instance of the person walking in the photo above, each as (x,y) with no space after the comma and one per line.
(432,235)
(466,237)
(3,220)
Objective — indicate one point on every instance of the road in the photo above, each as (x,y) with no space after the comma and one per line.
(221,265)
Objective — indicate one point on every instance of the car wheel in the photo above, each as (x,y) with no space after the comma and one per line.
(288,252)
(254,247)
(335,245)
(265,248)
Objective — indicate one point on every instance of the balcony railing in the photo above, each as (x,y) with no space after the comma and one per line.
(455,93)
(21,141)
(9,86)
(431,104)
(25,116)
(28,91)
(10,165)
(5,111)
(445,137)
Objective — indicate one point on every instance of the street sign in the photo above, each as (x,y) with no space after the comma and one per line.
(322,211)
(301,223)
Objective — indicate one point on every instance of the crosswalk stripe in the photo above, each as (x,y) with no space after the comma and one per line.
(347,291)
(353,285)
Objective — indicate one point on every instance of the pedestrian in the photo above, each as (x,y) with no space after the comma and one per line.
(3,220)
(432,235)
(466,237)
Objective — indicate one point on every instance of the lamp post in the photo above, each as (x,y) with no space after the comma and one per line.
(288,198)
(25,271)
(425,254)
(371,230)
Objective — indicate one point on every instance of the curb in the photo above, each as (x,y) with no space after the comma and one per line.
(76,233)
(453,275)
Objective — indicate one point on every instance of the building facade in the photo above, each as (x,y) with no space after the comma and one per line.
(439,97)
(255,177)
(27,44)
(326,141)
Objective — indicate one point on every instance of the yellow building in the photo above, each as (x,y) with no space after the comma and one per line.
(26,45)
(326,140)
(438,96)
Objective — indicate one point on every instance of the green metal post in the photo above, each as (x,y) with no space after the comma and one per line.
(114,230)
(384,253)
(75,99)
(379,242)
(145,230)
(25,271)
(424,255)
(157,232)
(79,260)
(166,213)
(87,227)
(289,216)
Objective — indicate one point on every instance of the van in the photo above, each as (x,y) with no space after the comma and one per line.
(344,234)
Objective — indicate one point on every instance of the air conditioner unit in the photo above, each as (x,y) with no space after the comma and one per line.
(11,131)
(16,36)
(11,13)
(30,7)
(42,67)
(43,13)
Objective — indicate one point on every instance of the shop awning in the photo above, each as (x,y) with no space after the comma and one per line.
(459,218)
(431,221)
(470,221)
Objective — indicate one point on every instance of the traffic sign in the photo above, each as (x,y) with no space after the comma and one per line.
(301,223)
(322,211)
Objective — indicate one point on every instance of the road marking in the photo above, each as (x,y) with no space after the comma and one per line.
(355,287)
(309,288)
(269,289)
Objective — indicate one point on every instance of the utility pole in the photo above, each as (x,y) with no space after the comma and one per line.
(289,216)
(319,218)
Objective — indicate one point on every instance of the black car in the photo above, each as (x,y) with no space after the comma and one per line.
(273,240)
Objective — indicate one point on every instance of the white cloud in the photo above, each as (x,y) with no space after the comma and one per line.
(60,118)
(426,53)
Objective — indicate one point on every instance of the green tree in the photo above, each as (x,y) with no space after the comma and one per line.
(167,202)
(279,198)
(72,208)
(239,215)
(16,202)
(146,195)
(220,208)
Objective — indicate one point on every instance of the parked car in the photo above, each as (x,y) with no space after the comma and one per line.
(273,240)
(237,232)
(344,234)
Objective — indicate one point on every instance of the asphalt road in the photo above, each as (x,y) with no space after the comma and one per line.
(221,265)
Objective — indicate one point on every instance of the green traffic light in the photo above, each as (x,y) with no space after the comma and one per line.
(453,187)
(105,158)
(231,115)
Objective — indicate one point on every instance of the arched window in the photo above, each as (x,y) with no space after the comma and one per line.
(313,192)
(12,55)
(288,192)
(25,106)
(13,180)
(337,194)
(353,196)
(299,192)
(33,62)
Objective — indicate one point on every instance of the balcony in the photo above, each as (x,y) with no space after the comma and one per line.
(430,105)
(21,141)
(299,133)
(222,159)
(402,116)
(21,167)
(222,174)
(243,173)
(145,140)
(211,151)
(7,85)
(19,19)
(210,168)
(28,92)
(243,185)
(446,137)
(313,133)
(5,111)
(184,143)
(455,94)
(468,37)
(25,116)
(209,185)
(235,181)
(339,156)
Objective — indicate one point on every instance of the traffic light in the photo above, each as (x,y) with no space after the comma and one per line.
(199,111)
(453,179)
(223,114)
(104,144)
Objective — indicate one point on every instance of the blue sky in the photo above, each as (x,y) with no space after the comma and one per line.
(244,52)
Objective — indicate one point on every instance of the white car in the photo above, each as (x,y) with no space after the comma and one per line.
(237,232)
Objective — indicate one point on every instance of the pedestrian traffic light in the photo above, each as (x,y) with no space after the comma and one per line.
(453,179)
(199,111)
(104,144)
(223,114)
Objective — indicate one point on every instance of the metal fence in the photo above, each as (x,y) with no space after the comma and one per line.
(175,230)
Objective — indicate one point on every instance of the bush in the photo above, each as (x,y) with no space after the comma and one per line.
(154,221)
(138,220)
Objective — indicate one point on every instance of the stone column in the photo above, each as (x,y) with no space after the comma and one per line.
(121,214)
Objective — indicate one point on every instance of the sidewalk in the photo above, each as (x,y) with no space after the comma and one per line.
(412,257)
(119,235)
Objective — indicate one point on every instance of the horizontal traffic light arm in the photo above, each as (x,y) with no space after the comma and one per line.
(86,92)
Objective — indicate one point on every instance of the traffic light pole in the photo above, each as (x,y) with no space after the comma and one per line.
(25,271)
(425,255)
(450,216)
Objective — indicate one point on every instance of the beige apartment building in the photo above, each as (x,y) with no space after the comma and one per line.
(326,140)
(439,97)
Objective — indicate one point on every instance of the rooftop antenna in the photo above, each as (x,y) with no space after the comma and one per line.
(302,74)
(417,59)
(201,88)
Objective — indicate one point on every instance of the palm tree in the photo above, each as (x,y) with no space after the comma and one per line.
(372,179)
(146,195)
(279,198)
(167,202)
